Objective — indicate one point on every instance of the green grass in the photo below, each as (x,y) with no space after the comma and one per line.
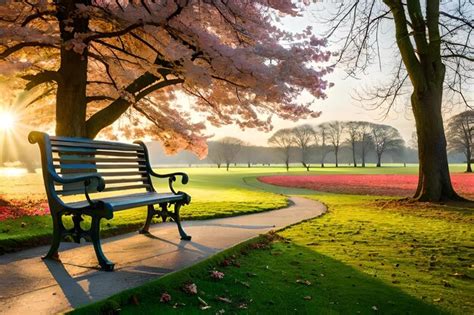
(366,252)
(427,253)
(278,277)
(215,193)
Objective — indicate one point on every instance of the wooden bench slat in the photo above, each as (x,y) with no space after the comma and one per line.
(62,144)
(87,151)
(65,192)
(126,180)
(114,181)
(87,140)
(75,158)
(98,166)
(103,174)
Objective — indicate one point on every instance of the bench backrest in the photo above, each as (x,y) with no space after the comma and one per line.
(123,166)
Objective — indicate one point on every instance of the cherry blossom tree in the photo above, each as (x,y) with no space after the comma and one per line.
(96,61)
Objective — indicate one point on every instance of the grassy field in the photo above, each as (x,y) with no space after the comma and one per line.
(215,193)
(368,254)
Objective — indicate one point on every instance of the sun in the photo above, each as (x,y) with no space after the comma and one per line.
(7,120)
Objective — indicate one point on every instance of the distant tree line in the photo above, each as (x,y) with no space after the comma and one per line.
(359,137)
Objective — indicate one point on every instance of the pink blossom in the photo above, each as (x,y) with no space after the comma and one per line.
(217,275)
(165,298)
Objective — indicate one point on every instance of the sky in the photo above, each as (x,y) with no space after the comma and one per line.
(340,104)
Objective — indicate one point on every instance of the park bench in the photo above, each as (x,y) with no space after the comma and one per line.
(102,177)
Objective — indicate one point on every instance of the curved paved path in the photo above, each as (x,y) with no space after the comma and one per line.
(32,286)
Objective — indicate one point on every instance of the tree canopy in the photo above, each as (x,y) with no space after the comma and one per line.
(97,61)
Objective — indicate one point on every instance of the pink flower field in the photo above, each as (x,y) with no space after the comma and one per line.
(13,209)
(389,185)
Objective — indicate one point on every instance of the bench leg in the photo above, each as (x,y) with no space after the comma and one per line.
(146,227)
(104,263)
(57,234)
(177,219)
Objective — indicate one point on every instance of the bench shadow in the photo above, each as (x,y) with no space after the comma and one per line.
(199,248)
(73,292)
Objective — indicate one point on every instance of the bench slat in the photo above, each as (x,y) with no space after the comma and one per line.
(103,174)
(66,192)
(98,166)
(75,158)
(115,181)
(92,145)
(88,151)
(87,140)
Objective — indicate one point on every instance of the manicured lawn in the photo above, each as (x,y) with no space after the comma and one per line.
(266,276)
(426,252)
(368,254)
(215,193)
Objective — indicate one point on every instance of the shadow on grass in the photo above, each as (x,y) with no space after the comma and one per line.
(280,278)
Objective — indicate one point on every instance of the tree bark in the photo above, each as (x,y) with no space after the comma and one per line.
(71,102)
(363,157)
(434,183)
(379,160)
(336,153)
(354,155)
(469,161)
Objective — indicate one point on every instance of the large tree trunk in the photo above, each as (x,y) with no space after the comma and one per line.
(336,153)
(434,183)
(71,102)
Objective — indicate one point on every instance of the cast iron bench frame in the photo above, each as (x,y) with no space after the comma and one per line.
(78,163)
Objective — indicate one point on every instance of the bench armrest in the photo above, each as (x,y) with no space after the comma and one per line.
(75,179)
(86,179)
(171,178)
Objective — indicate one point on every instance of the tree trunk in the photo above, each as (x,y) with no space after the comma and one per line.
(469,161)
(336,154)
(227,166)
(218,165)
(248,164)
(363,157)
(354,155)
(434,183)
(379,160)
(287,163)
(71,102)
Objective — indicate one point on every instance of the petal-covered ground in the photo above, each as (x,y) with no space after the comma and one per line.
(388,185)
(13,209)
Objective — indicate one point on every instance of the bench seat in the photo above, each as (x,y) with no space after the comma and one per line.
(118,203)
